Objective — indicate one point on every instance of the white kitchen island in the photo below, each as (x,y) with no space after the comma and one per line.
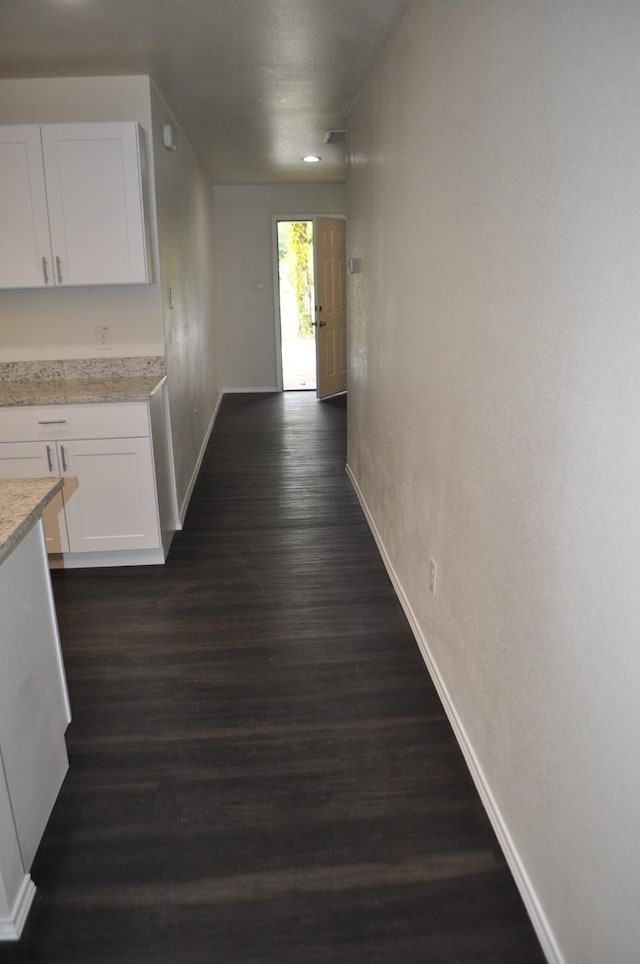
(34,703)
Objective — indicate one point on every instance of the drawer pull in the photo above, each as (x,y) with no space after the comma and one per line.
(59,270)
(49,459)
(45,273)
(53,421)
(65,467)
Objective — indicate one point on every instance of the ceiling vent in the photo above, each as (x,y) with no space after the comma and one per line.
(335,137)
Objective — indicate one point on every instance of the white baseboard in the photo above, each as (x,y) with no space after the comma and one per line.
(255,389)
(518,870)
(11,929)
(196,470)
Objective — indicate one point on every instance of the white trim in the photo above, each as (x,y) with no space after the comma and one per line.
(102,560)
(196,470)
(248,389)
(276,286)
(11,928)
(523,882)
(275,267)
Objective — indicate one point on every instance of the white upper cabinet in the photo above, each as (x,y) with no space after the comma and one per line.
(93,174)
(72,205)
(25,248)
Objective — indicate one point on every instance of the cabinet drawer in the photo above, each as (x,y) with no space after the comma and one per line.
(42,422)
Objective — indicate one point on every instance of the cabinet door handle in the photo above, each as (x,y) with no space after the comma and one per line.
(53,421)
(49,459)
(65,467)
(59,270)
(45,273)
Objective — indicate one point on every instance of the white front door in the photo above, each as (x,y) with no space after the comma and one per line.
(331,305)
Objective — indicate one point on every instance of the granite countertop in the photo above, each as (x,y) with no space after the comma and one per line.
(21,505)
(80,391)
(78,381)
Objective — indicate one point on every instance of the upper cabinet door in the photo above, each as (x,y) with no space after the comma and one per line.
(25,249)
(99,232)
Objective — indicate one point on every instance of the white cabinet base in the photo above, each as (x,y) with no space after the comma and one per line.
(124,557)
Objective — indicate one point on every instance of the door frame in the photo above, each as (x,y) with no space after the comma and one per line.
(276,278)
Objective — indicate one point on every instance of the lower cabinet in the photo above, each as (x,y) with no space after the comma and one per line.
(109,494)
(109,499)
(25,460)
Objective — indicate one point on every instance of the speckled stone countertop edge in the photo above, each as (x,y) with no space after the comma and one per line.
(134,388)
(70,369)
(21,505)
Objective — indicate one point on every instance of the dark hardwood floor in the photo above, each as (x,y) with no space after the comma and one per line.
(261,770)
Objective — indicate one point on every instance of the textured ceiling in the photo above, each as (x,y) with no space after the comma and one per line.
(255,84)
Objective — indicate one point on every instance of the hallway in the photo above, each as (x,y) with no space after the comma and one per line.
(261,770)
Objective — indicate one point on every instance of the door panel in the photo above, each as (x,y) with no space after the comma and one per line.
(95,202)
(331,306)
(25,249)
(110,500)
(34,460)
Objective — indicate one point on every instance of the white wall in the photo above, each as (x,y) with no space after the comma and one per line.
(245,272)
(60,322)
(186,251)
(494,200)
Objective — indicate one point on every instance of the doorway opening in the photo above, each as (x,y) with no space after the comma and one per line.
(296,300)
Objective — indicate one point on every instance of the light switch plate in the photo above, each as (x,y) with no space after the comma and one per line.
(103,337)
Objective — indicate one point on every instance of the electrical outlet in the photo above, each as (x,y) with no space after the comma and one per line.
(432,577)
(103,337)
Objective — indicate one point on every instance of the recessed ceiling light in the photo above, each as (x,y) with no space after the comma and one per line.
(311,159)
